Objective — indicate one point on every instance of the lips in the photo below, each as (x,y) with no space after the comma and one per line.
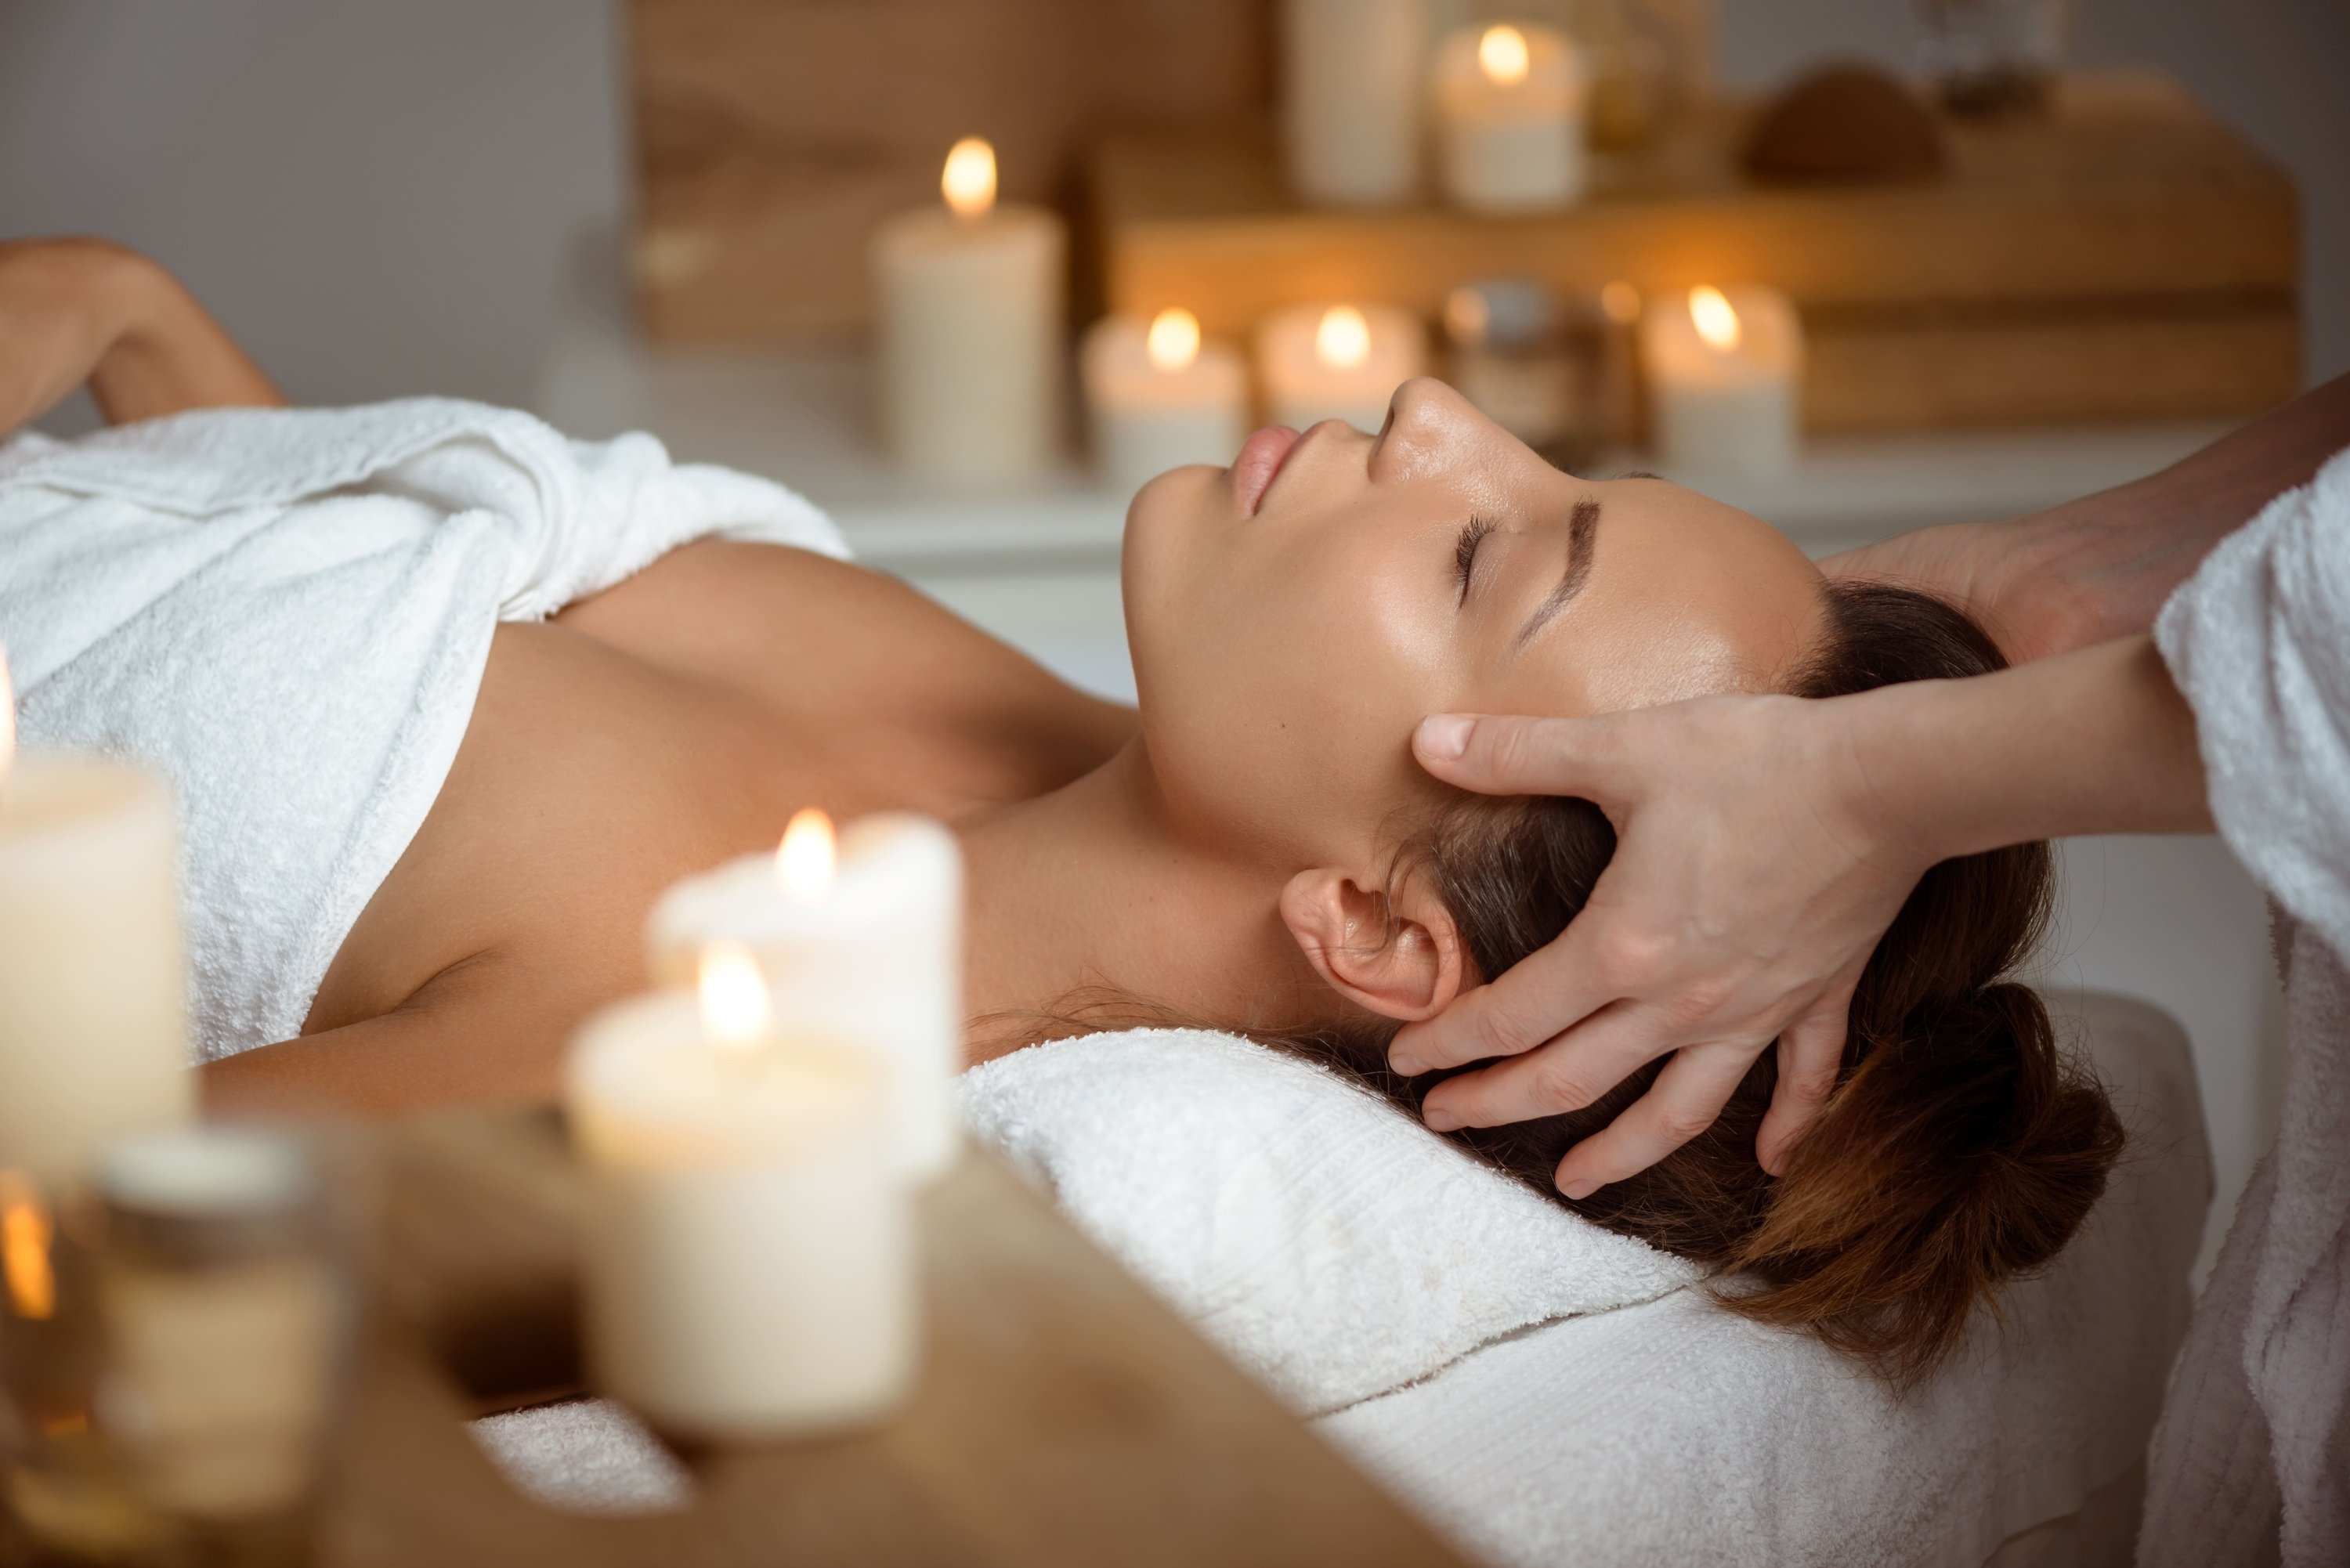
(1261,457)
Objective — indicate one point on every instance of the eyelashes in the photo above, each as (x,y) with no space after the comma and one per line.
(1464,552)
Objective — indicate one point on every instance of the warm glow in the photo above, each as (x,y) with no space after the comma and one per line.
(24,1231)
(1621,302)
(1716,322)
(1174,341)
(969,181)
(735,1012)
(1501,55)
(806,859)
(1344,339)
(1467,316)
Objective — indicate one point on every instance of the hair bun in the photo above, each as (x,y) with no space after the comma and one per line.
(1960,1153)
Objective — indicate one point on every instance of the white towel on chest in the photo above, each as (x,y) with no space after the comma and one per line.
(288,611)
(2257,1430)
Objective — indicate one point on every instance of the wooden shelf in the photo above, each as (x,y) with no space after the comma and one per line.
(2126,257)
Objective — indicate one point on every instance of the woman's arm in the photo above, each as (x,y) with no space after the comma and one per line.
(77,311)
(2100,567)
(1743,900)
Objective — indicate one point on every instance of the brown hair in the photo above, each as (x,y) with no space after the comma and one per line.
(1959,1149)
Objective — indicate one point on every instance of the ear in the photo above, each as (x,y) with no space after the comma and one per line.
(1401,958)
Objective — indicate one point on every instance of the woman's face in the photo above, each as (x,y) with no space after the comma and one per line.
(1294,616)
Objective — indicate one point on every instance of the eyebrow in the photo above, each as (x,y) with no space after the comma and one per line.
(1582,525)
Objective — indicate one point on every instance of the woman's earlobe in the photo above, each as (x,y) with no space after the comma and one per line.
(1399,958)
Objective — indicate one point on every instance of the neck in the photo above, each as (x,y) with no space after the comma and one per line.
(1089,909)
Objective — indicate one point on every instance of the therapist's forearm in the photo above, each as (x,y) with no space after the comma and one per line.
(2101,567)
(2095,740)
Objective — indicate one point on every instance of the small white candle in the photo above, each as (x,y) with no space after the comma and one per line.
(1160,397)
(749,1266)
(1336,362)
(864,943)
(93,1021)
(1351,86)
(1511,103)
(1724,368)
(968,297)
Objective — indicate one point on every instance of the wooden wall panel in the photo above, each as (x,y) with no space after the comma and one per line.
(771,134)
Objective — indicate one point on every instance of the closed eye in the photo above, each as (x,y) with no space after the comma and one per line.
(1464,552)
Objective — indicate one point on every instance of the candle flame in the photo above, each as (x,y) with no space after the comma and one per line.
(1717,323)
(1174,341)
(808,859)
(1621,303)
(1344,339)
(735,1010)
(1502,55)
(968,180)
(24,1232)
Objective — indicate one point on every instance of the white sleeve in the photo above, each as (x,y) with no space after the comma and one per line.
(2259,641)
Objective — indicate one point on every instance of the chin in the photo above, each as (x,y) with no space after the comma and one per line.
(1171,521)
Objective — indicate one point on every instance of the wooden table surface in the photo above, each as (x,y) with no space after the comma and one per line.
(1064,1415)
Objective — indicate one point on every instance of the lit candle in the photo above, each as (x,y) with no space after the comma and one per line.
(968,296)
(93,1024)
(1724,368)
(1159,397)
(1511,103)
(1335,362)
(861,942)
(1350,98)
(749,1266)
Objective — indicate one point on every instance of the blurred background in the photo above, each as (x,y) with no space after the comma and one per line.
(382,200)
(446,196)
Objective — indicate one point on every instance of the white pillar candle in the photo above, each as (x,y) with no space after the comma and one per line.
(1351,89)
(750,1267)
(1724,368)
(93,1021)
(865,945)
(1335,362)
(968,297)
(1511,103)
(1158,397)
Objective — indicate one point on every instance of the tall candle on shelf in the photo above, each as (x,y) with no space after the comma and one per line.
(93,1021)
(1351,89)
(1511,103)
(1724,368)
(862,939)
(750,1265)
(1336,362)
(1159,395)
(969,299)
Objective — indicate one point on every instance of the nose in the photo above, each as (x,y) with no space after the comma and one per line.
(1429,425)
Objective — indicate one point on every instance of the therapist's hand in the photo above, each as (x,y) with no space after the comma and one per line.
(1751,879)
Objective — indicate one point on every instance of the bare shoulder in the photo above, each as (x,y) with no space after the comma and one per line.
(811,638)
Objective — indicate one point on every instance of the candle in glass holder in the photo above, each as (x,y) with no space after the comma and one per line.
(1724,368)
(968,298)
(1511,103)
(1335,362)
(1161,397)
(750,1265)
(93,1022)
(861,940)
(1351,85)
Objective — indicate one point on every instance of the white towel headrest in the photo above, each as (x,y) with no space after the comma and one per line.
(1329,1243)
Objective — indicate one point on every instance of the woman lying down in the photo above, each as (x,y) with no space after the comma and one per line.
(448,700)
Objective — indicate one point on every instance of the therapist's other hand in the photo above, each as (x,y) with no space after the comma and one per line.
(1750,884)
